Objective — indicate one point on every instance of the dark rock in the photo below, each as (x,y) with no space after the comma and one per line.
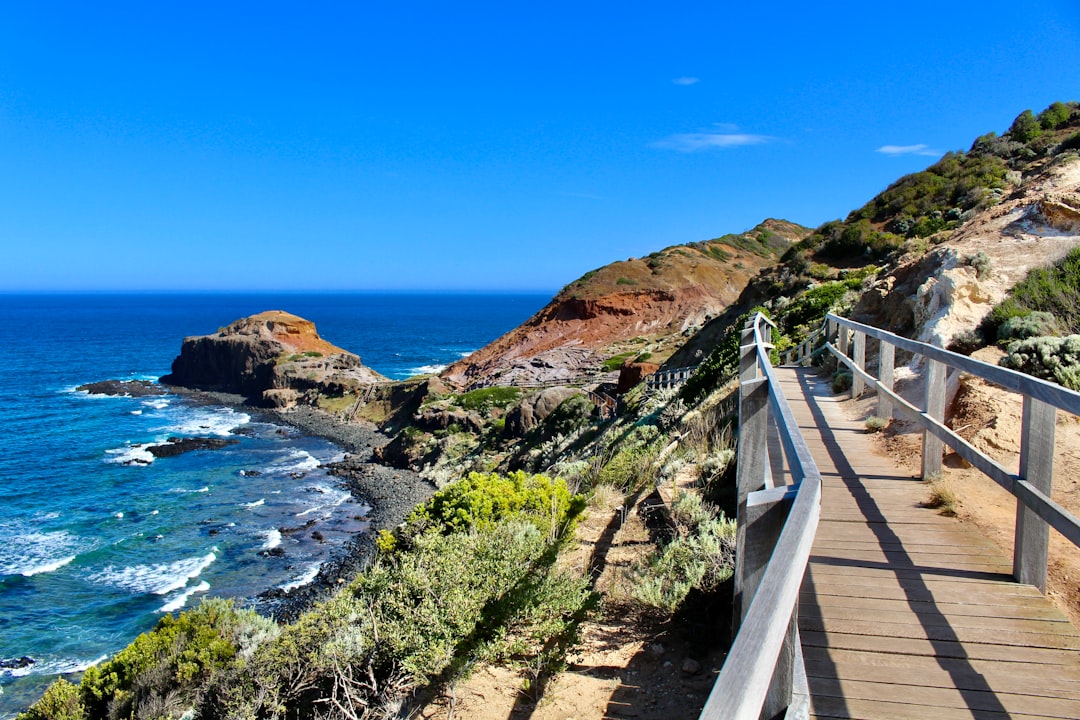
(274,552)
(432,419)
(250,473)
(318,536)
(532,410)
(176,446)
(690,666)
(129,388)
(23,662)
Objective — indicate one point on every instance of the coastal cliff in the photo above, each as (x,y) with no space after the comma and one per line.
(272,357)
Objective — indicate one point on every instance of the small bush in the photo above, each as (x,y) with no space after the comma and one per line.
(981,262)
(841,381)
(61,701)
(1051,358)
(484,399)
(943,499)
(966,342)
(616,361)
(482,501)
(701,556)
(876,424)
(1021,327)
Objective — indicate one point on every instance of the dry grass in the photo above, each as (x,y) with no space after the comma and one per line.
(942,499)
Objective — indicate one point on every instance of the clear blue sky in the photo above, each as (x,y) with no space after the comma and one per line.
(408,145)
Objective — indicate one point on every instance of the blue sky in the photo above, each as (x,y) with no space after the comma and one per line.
(409,145)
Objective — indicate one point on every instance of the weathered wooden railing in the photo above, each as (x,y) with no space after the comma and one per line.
(672,378)
(1036,512)
(762,676)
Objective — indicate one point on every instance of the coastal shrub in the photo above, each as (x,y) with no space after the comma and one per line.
(966,342)
(1021,327)
(481,501)
(484,399)
(1051,358)
(61,701)
(700,556)
(179,656)
(981,262)
(573,414)
(1025,127)
(841,381)
(1054,289)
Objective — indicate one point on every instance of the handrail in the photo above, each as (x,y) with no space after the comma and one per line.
(1036,510)
(758,674)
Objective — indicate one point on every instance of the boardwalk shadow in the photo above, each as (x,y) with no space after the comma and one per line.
(972,686)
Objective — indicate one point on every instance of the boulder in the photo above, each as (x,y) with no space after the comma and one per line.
(176,446)
(432,419)
(279,398)
(533,409)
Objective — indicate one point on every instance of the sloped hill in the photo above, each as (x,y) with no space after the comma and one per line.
(667,292)
(1007,204)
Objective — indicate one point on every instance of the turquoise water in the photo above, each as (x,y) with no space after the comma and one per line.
(95,542)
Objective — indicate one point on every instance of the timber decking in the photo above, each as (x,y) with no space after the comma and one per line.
(904,613)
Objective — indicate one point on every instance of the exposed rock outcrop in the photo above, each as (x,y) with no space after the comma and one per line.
(259,356)
(130,388)
(534,409)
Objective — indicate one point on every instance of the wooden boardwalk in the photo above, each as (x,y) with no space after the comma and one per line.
(907,614)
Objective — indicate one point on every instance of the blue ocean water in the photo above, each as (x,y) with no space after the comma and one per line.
(95,542)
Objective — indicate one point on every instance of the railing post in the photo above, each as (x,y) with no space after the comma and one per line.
(886,358)
(935,408)
(858,353)
(766,513)
(842,340)
(1037,467)
(751,455)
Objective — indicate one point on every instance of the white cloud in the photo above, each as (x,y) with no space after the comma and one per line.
(696,142)
(919,149)
(686,81)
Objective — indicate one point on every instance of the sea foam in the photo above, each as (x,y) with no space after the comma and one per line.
(159,579)
(27,552)
(181,600)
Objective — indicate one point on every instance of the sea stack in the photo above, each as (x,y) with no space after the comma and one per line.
(272,358)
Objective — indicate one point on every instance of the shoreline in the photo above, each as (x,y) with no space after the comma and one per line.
(391,493)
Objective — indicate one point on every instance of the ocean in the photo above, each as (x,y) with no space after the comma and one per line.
(98,538)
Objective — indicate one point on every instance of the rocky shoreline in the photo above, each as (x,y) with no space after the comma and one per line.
(391,494)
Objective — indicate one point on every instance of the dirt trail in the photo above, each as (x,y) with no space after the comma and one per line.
(627,665)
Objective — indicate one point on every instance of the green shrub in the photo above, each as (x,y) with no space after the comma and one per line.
(841,381)
(482,501)
(1054,116)
(981,262)
(1054,290)
(1025,127)
(1021,327)
(484,399)
(966,342)
(61,701)
(721,365)
(701,556)
(1051,358)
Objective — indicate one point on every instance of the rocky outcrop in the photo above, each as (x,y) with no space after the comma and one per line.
(128,388)
(667,293)
(177,446)
(534,409)
(272,351)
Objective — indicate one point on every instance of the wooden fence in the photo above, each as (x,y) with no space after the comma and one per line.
(1036,512)
(762,676)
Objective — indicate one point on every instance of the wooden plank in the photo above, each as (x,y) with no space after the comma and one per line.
(933,616)
(936,649)
(884,632)
(938,698)
(935,408)
(1020,678)
(1035,608)
(1032,539)
(829,707)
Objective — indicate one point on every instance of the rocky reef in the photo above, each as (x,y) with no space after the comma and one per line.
(273,358)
